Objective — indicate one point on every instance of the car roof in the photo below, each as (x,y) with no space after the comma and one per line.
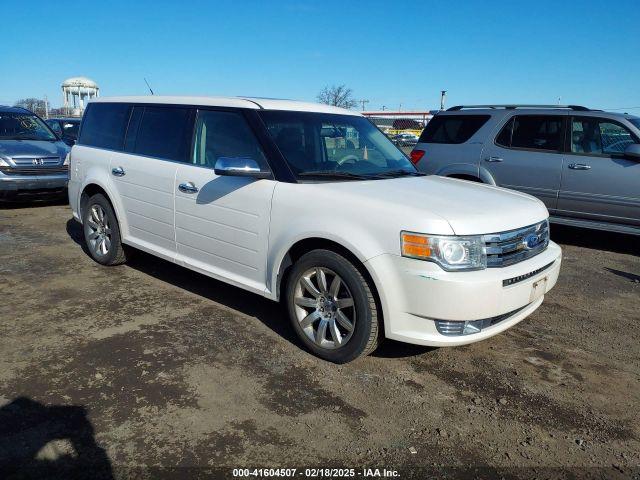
(7,109)
(255,103)
(501,110)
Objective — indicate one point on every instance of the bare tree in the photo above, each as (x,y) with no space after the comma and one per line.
(36,105)
(338,96)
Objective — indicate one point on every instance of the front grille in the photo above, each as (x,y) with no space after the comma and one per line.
(34,170)
(452,328)
(36,161)
(507,248)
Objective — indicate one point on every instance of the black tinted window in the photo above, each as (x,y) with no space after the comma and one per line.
(452,128)
(104,125)
(163,133)
(537,132)
(504,137)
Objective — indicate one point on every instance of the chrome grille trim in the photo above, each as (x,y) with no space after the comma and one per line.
(28,161)
(35,170)
(508,248)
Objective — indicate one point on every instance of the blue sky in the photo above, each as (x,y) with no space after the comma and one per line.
(391,53)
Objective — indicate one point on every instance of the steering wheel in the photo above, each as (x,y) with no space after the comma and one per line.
(346,158)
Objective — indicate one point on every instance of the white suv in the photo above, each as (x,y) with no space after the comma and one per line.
(313,205)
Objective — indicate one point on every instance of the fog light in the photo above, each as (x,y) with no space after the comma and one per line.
(452,328)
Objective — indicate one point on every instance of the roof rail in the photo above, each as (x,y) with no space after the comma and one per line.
(514,106)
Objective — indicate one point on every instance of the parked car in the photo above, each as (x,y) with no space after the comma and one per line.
(265,195)
(65,128)
(32,159)
(583,164)
(405,139)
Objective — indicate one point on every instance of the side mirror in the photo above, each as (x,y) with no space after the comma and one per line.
(239,167)
(633,151)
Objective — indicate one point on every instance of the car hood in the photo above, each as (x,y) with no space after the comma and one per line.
(35,148)
(469,208)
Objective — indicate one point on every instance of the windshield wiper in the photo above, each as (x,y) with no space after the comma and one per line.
(399,173)
(333,174)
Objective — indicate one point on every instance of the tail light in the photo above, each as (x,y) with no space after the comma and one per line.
(416,156)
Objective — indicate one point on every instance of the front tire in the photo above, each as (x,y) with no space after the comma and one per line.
(102,232)
(332,307)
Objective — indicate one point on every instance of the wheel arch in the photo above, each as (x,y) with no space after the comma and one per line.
(305,245)
(91,189)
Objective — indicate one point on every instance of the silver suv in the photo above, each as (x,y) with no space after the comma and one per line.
(583,164)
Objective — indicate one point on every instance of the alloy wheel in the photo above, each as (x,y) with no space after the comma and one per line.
(98,231)
(324,308)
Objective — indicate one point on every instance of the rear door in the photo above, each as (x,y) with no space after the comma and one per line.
(598,182)
(158,138)
(222,222)
(527,155)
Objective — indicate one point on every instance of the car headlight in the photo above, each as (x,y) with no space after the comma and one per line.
(4,162)
(67,159)
(450,252)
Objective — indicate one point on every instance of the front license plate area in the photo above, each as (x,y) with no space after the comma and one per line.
(537,289)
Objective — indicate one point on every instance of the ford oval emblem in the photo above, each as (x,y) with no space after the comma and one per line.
(531,241)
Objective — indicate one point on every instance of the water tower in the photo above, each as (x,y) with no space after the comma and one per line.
(76,91)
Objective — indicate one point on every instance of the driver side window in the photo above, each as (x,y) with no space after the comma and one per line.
(225,135)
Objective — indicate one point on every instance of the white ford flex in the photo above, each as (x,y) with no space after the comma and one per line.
(314,206)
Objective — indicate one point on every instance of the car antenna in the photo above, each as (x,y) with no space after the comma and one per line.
(148,86)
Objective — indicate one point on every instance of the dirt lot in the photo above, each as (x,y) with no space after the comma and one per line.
(120,371)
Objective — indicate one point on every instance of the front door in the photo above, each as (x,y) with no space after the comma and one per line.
(527,156)
(598,182)
(222,222)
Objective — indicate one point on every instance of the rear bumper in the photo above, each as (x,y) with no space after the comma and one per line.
(416,294)
(18,186)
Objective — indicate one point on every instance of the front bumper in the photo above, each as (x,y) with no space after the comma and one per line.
(17,186)
(414,294)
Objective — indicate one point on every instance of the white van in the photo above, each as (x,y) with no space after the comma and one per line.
(314,206)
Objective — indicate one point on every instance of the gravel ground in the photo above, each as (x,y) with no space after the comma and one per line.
(126,371)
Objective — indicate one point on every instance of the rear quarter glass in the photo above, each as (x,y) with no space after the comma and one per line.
(452,129)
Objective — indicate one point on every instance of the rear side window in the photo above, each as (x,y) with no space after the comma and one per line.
(452,128)
(533,132)
(104,125)
(163,133)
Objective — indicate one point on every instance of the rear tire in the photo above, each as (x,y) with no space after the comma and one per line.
(332,307)
(102,232)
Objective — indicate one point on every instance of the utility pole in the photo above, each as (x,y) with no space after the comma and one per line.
(443,94)
(363,102)
(46,107)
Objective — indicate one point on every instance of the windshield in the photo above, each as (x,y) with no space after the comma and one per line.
(342,146)
(635,121)
(23,126)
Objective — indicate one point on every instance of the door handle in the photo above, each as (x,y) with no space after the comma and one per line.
(579,166)
(188,187)
(118,171)
(493,159)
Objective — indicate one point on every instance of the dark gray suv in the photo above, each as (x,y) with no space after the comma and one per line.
(32,158)
(583,164)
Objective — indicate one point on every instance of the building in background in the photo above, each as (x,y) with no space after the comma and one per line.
(76,91)
(393,123)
